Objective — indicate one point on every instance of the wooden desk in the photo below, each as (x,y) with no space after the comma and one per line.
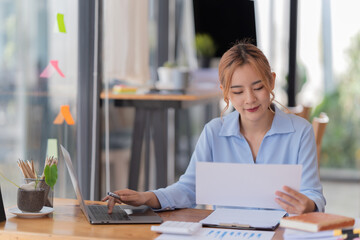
(151,121)
(68,222)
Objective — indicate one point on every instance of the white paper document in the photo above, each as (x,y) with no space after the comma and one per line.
(223,234)
(290,234)
(244,185)
(244,218)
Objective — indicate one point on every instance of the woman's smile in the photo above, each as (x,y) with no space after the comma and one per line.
(253,109)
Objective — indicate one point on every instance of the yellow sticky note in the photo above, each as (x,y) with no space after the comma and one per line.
(52,148)
(61,23)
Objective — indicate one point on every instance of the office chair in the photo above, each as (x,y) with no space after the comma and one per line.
(319,125)
(301,111)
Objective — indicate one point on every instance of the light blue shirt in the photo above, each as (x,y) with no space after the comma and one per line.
(290,140)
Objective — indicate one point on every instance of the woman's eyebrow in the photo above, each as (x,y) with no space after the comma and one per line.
(239,86)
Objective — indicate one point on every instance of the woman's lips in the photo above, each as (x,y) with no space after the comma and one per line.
(253,109)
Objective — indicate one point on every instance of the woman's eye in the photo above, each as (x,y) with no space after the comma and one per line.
(259,88)
(237,92)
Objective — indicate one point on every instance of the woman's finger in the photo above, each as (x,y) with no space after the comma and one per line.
(286,197)
(286,206)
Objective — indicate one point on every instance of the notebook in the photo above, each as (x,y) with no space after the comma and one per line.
(2,211)
(317,221)
(97,214)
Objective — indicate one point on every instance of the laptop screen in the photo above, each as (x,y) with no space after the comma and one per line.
(74,180)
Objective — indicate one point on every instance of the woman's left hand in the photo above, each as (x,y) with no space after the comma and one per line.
(294,202)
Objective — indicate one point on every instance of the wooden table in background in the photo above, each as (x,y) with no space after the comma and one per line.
(151,121)
(68,222)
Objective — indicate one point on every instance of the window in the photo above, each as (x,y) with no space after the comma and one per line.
(328,49)
(38,72)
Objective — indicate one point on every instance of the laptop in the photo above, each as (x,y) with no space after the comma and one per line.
(2,210)
(98,214)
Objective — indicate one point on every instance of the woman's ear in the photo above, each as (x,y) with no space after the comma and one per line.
(273,80)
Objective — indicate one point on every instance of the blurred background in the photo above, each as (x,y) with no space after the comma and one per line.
(98,44)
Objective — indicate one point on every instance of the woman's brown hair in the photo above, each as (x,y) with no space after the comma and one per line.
(240,54)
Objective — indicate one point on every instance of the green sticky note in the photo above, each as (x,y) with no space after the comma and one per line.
(52,148)
(61,23)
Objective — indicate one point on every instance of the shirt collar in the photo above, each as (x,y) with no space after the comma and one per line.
(281,124)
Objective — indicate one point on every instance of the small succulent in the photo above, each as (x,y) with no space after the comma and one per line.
(169,64)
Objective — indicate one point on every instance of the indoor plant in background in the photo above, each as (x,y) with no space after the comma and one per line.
(173,77)
(166,72)
(205,49)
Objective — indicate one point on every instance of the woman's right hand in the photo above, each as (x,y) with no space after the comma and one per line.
(132,198)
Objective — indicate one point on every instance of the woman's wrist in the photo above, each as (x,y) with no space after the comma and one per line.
(151,200)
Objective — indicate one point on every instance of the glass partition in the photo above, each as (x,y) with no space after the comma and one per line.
(38,87)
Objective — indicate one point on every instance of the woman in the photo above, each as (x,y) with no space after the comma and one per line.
(257,132)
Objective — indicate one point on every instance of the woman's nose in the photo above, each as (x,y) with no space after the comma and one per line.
(250,97)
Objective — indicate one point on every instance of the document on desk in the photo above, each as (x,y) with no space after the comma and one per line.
(223,234)
(244,185)
(244,219)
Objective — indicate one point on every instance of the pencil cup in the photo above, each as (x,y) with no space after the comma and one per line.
(48,194)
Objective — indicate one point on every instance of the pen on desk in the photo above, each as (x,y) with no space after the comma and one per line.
(350,236)
(338,232)
(234,225)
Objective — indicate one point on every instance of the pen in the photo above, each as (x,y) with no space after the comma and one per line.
(234,225)
(339,232)
(349,236)
(111,194)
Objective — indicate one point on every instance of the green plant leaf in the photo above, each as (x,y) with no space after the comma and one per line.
(51,175)
(9,180)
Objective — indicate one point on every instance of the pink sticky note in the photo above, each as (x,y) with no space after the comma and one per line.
(55,64)
(47,72)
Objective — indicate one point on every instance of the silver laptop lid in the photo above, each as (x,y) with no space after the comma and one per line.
(74,181)
(2,210)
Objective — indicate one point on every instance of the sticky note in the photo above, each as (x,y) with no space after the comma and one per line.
(52,148)
(49,70)
(64,114)
(65,110)
(55,64)
(59,119)
(61,23)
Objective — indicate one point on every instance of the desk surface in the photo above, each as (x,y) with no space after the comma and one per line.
(68,222)
(188,96)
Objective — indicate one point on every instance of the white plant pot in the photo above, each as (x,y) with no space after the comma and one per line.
(173,78)
(165,75)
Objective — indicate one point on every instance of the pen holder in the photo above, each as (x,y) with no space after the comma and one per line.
(49,193)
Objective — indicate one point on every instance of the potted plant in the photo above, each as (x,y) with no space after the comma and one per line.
(166,72)
(173,77)
(35,193)
(205,49)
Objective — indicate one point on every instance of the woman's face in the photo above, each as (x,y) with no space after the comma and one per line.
(249,95)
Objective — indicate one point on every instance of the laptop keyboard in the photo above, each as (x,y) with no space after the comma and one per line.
(100,213)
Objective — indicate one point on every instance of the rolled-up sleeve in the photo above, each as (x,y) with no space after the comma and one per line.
(310,182)
(182,193)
